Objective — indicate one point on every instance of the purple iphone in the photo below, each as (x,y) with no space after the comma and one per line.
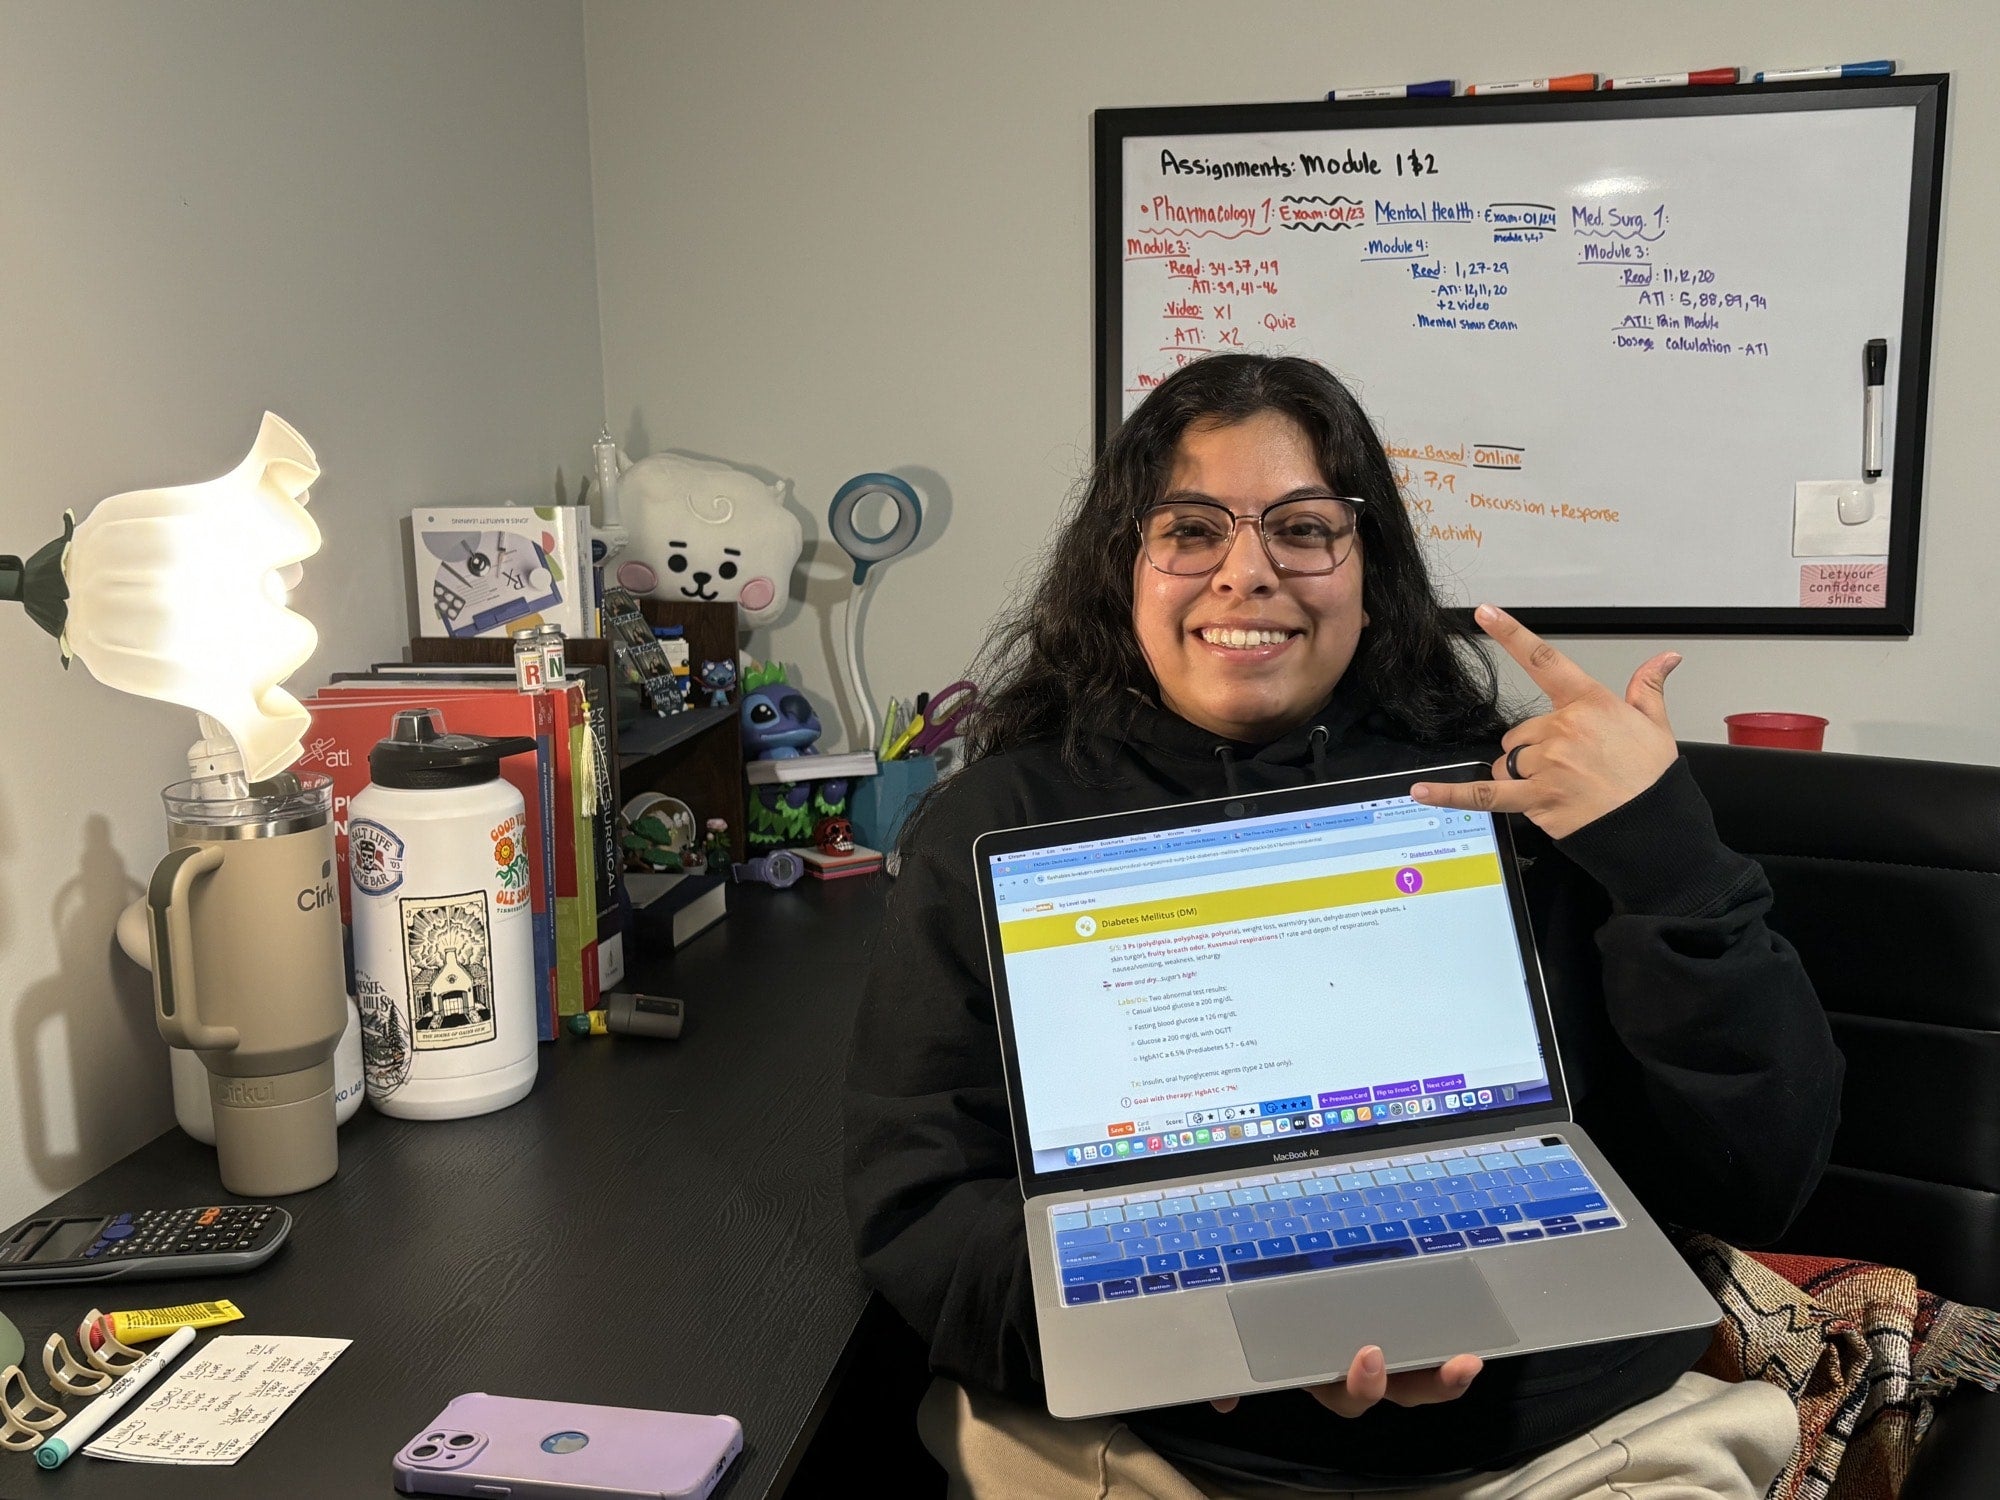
(557,1450)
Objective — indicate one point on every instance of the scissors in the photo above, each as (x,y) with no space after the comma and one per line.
(941,714)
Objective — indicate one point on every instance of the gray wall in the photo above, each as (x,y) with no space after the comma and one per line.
(828,239)
(834,238)
(372,218)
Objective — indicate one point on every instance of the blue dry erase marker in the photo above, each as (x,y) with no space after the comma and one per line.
(1437,88)
(84,1426)
(1881,68)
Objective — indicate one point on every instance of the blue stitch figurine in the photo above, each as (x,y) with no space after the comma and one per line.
(718,677)
(779,724)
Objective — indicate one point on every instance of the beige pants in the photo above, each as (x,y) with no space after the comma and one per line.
(1697,1440)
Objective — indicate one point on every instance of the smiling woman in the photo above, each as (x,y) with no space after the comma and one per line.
(1237,603)
(1248,628)
(1107,626)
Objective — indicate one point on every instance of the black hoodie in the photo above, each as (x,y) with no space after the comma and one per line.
(1697,1055)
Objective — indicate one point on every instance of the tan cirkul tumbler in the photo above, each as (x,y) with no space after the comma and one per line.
(247,971)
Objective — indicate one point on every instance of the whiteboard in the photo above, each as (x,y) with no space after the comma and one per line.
(1614,346)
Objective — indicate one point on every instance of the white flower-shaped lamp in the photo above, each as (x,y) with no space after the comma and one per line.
(179,594)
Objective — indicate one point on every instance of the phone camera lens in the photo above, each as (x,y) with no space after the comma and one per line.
(461,1440)
(424,1450)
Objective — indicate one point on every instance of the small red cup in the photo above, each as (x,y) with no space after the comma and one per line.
(1777,731)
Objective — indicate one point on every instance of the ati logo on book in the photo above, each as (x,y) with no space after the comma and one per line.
(313,897)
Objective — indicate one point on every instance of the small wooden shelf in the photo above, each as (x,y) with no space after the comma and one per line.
(655,734)
(696,754)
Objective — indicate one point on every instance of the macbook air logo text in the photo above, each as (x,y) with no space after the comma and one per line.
(1293,1155)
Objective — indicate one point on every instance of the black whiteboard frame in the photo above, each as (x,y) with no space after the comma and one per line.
(1926,92)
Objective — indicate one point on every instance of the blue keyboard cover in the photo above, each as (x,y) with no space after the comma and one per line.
(1249,1228)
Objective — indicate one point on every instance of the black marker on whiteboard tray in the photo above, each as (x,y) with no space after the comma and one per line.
(1874,367)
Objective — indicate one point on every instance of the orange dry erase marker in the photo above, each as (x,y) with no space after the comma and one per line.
(1569,83)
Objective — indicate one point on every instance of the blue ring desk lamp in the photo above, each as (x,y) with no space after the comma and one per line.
(866,551)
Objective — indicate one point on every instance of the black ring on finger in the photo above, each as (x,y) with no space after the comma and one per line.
(1514,763)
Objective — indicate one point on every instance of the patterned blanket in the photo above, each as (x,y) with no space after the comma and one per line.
(1859,1347)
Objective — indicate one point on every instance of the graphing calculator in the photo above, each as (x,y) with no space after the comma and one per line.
(143,1245)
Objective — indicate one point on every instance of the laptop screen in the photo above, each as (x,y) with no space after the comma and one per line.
(1308,972)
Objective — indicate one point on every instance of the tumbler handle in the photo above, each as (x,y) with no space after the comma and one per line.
(173,941)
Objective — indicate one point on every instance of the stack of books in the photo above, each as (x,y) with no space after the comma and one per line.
(823,866)
(670,910)
(795,768)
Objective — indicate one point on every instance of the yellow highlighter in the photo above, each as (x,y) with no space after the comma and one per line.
(158,1322)
(892,725)
(902,741)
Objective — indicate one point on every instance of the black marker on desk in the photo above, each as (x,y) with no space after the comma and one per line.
(1874,367)
(644,1015)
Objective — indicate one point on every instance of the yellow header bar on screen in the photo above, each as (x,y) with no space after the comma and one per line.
(1213,908)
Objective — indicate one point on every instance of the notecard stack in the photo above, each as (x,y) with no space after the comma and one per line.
(214,1407)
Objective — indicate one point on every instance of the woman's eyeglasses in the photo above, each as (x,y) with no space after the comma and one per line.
(1310,535)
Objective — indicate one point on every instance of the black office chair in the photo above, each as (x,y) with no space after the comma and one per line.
(1886,875)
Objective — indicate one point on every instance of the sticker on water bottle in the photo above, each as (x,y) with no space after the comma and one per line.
(510,862)
(385,1037)
(448,958)
(375,855)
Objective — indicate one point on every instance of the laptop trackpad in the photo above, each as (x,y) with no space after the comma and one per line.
(1304,1326)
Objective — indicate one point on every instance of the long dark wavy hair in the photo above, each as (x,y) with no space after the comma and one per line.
(1064,662)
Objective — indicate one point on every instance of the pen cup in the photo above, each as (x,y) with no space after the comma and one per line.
(881,802)
(1777,731)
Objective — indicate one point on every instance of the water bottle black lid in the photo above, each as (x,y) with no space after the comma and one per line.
(420,756)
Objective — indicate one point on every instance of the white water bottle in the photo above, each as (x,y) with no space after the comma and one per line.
(444,949)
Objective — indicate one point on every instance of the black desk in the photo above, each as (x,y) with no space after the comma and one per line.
(658,1224)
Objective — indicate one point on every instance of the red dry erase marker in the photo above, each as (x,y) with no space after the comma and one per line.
(1701,78)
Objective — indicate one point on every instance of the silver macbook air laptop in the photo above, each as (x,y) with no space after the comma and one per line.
(1284,1083)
